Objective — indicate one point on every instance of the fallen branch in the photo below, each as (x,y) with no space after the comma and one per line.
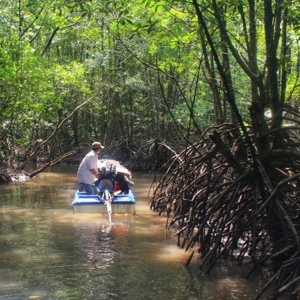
(51,163)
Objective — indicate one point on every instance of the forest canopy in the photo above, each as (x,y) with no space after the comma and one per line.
(141,62)
(155,71)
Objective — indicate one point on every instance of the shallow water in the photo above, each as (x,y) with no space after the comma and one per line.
(47,252)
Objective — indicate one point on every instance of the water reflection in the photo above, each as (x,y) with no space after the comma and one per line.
(47,252)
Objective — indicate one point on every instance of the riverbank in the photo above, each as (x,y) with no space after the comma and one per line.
(8,175)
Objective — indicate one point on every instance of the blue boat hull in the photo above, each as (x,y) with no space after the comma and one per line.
(121,204)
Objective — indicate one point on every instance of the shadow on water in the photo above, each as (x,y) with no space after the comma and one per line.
(47,252)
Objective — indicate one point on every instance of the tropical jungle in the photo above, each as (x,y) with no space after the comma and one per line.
(203,93)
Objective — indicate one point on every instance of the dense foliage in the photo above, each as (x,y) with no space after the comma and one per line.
(143,64)
(57,54)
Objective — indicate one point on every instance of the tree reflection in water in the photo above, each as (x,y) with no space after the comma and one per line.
(47,252)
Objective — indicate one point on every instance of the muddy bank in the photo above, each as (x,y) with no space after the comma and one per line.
(8,175)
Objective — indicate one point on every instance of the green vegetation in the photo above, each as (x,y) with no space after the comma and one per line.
(56,55)
(139,61)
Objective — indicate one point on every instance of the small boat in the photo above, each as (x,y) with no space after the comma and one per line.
(120,204)
(115,194)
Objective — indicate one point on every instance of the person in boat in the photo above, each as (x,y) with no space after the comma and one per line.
(122,184)
(87,171)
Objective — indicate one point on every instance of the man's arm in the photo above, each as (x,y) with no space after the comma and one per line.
(95,172)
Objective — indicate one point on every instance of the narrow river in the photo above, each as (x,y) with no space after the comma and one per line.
(47,252)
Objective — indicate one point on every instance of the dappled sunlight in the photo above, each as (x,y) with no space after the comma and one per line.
(7,285)
(9,238)
(232,288)
(171,253)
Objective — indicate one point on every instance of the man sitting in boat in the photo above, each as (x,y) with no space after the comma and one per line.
(87,170)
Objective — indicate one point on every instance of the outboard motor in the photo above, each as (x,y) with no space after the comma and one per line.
(107,174)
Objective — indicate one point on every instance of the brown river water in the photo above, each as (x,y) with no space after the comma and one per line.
(48,252)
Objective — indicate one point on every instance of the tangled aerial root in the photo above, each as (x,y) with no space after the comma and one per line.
(232,206)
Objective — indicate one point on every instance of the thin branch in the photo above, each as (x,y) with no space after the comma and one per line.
(56,130)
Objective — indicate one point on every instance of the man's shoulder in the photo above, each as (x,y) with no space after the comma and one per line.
(91,154)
